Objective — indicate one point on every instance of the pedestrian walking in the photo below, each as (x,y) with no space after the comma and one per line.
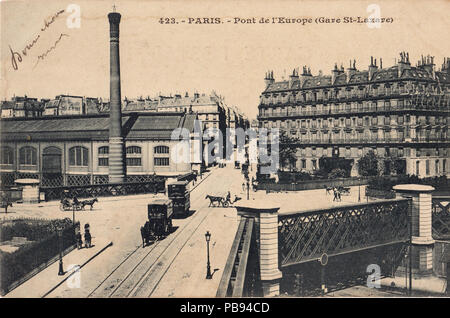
(335,195)
(79,240)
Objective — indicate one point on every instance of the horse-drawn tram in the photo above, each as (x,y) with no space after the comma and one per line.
(159,224)
(180,196)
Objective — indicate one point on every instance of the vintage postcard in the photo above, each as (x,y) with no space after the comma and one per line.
(224,149)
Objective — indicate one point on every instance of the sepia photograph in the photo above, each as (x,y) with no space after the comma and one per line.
(224,150)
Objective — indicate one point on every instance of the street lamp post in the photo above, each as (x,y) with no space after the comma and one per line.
(73,215)
(61,268)
(359,189)
(248,194)
(208,266)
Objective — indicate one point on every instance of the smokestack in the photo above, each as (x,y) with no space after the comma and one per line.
(116,161)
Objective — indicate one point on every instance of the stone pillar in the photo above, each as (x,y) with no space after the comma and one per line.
(116,153)
(421,226)
(266,221)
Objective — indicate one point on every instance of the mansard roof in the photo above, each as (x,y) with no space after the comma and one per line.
(361,77)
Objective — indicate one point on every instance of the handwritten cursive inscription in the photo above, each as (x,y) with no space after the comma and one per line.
(16,57)
(53,18)
(44,55)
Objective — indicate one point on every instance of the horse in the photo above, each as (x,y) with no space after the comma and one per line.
(6,205)
(145,233)
(328,189)
(88,202)
(213,199)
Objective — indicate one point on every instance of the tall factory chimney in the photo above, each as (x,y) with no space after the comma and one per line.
(116,153)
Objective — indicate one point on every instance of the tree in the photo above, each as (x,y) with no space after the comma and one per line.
(369,164)
(287,150)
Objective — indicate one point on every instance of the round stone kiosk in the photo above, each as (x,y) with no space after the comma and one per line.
(30,190)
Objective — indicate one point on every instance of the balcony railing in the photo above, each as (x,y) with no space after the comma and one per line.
(331,111)
(369,140)
(422,98)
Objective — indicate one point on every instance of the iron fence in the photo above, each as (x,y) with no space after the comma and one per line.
(441,217)
(101,190)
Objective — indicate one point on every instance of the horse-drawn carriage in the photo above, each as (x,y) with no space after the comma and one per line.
(159,224)
(180,196)
(70,205)
(344,190)
(225,201)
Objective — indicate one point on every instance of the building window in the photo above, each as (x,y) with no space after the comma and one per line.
(132,150)
(314,164)
(6,156)
(27,156)
(134,156)
(134,162)
(303,163)
(78,156)
(437,167)
(104,150)
(161,161)
(161,149)
(103,160)
(417,167)
(427,167)
(444,166)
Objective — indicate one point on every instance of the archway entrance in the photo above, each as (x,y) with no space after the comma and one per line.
(51,167)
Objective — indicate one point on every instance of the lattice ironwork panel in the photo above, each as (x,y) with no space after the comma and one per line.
(101,190)
(52,180)
(101,179)
(141,178)
(441,217)
(306,236)
(8,178)
(73,180)
(27,175)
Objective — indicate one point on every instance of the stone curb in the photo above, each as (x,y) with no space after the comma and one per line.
(88,260)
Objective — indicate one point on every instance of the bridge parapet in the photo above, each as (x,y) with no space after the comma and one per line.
(421,226)
(306,235)
(266,221)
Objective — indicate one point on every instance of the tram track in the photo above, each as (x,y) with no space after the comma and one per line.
(126,282)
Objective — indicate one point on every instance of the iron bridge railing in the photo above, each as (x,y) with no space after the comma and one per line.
(441,217)
(305,236)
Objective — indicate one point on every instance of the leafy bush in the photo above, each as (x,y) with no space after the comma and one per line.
(46,245)
(32,229)
(369,165)
(285,177)
(337,173)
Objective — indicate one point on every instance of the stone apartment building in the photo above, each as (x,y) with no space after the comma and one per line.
(401,112)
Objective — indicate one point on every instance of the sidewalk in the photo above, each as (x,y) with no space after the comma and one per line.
(430,285)
(45,281)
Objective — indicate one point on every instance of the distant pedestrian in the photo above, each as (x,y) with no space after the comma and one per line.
(243,186)
(79,240)
(335,195)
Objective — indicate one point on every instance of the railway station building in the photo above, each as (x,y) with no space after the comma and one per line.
(74,150)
